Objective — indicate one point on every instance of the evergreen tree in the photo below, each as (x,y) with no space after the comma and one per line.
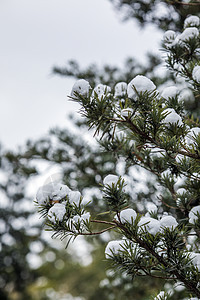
(84,167)
(156,132)
(166,14)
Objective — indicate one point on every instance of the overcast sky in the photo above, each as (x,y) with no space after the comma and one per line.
(38,34)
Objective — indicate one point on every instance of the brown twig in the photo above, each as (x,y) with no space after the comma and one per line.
(98,232)
(183,3)
(103,222)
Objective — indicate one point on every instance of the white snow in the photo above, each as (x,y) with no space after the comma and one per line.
(187,34)
(192,21)
(157,152)
(127,215)
(179,182)
(52,191)
(196,73)
(186,95)
(195,259)
(81,87)
(60,191)
(151,225)
(172,117)
(179,287)
(110,180)
(170,92)
(193,214)
(151,207)
(169,36)
(168,222)
(42,197)
(101,90)
(81,219)
(74,197)
(140,84)
(189,138)
(179,158)
(120,89)
(127,112)
(56,212)
(113,247)
(160,296)
(181,191)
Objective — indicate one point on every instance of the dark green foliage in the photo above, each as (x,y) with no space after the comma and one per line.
(171,13)
(156,148)
(110,75)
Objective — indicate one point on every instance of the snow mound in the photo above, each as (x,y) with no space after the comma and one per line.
(51,191)
(56,212)
(110,180)
(172,117)
(113,247)
(193,214)
(151,225)
(120,89)
(81,87)
(140,84)
(192,21)
(187,34)
(127,112)
(189,139)
(168,222)
(196,73)
(170,92)
(127,215)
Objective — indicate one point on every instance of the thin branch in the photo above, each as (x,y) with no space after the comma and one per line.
(157,276)
(183,3)
(98,232)
(178,275)
(170,206)
(103,222)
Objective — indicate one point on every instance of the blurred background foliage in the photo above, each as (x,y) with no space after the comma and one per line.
(31,267)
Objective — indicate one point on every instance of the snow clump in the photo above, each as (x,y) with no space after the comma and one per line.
(186,95)
(74,197)
(82,87)
(120,89)
(172,117)
(196,73)
(193,214)
(127,215)
(51,191)
(160,296)
(151,207)
(170,92)
(110,180)
(157,152)
(60,191)
(101,90)
(187,34)
(140,84)
(81,219)
(56,212)
(195,259)
(192,21)
(169,38)
(168,222)
(189,139)
(151,225)
(127,112)
(113,247)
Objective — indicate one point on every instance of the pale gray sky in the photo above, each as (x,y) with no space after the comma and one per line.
(38,34)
